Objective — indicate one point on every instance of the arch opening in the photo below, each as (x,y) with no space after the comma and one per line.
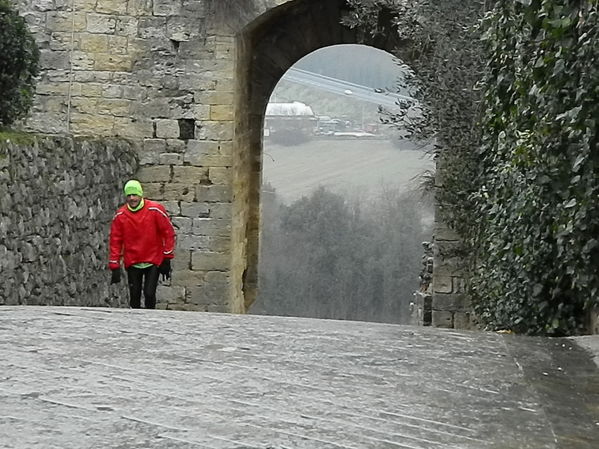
(267,49)
(343,213)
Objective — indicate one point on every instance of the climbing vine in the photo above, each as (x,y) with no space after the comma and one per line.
(18,65)
(520,168)
(536,202)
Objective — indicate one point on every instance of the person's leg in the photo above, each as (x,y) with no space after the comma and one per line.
(150,283)
(134,278)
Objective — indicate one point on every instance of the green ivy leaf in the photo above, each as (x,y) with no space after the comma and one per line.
(571,203)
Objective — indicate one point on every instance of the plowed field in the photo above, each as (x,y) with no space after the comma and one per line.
(344,166)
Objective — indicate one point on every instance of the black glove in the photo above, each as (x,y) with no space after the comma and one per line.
(116,276)
(165,269)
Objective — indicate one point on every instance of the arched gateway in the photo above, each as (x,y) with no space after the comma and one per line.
(188,81)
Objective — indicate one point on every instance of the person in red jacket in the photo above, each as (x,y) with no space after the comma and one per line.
(143,235)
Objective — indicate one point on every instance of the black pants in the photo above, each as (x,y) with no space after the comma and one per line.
(148,277)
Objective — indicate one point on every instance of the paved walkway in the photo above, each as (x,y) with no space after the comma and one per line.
(108,378)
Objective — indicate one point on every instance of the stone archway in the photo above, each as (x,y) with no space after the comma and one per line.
(267,48)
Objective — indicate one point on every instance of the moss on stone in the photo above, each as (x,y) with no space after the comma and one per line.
(16,137)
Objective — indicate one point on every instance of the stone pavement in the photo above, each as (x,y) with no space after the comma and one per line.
(116,378)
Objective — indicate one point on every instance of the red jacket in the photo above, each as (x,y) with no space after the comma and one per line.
(143,236)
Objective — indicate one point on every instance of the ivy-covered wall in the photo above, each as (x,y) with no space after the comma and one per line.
(513,102)
(57,198)
(535,202)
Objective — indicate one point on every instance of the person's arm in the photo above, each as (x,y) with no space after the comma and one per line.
(115,243)
(167,233)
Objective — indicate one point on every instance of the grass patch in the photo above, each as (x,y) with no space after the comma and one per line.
(16,137)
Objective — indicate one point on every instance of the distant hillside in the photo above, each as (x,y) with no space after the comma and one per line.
(354,63)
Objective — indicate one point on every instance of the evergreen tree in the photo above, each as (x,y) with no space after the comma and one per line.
(19,58)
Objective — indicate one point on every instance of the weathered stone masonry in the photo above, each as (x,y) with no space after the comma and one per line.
(153,72)
(57,197)
(188,81)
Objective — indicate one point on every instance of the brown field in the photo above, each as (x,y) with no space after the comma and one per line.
(361,167)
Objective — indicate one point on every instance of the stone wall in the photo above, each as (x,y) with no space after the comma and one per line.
(57,198)
(421,306)
(160,72)
(188,80)
(451,306)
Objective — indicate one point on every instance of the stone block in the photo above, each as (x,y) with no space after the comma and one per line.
(214,193)
(182,29)
(131,92)
(140,7)
(194,210)
(226,147)
(210,293)
(66,22)
(175,191)
(171,159)
(111,7)
(205,261)
(221,112)
(181,262)
(57,89)
(172,207)
(45,5)
(441,319)
(101,23)
(221,210)
(201,111)
(155,174)
(118,45)
(196,148)
(464,321)
(63,41)
(210,130)
(220,175)
(151,151)
(211,227)
(187,278)
(83,105)
(442,233)
(220,160)
(92,77)
(155,108)
(166,7)
(182,224)
(153,190)
(170,294)
(94,43)
(454,302)
(215,97)
(131,128)
(55,60)
(86,124)
(459,285)
(448,258)
(55,123)
(90,89)
(225,84)
(203,243)
(224,50)
(113,106)
(126,26)
(152,28)
(167,128)
(442,284)
(113,62)
(190,175)
(175,146)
